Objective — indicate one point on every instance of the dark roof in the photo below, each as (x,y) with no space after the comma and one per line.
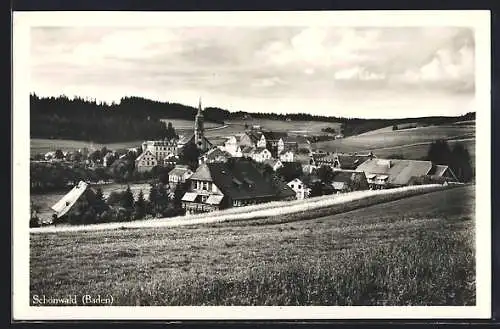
(254,135)
(239,179)
(295,139)
(399,171)
(274,135)
(352,161)
(347,176)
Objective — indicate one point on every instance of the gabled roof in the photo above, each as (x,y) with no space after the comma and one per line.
(272,162)
(254,135)
(179,171)
(352,161)
(274,135)
(347,176)
(399,171)
(215,153)
(239,179)
(290,139)
(247,149)
(143,154)
(68,201)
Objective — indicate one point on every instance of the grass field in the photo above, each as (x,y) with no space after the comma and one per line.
(42,145)
(412,143)
(414,251)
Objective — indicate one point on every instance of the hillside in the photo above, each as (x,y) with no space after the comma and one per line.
(368,256)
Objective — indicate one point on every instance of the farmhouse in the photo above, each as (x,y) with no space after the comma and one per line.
(270,139)
(146,161)
(179,175)
(286,156)
(72,199)
(349,180)
(340,160)
(249,139)
(291,143)
(381,173)
(300,189)
(222,185)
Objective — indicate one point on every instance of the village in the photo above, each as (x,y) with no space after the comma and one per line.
(197,175)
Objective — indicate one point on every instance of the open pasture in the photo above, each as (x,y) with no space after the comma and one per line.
(397,138)
(42,145)
(414,251)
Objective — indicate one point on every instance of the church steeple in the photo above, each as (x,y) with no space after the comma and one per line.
(199,130)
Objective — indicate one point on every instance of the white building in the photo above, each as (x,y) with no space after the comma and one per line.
(179,175)
(299,188)
(261,155)
(274,163)
(146,161)
(161,149)
(231,146)
(286,156)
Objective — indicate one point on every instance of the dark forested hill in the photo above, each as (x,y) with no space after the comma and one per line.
(139,118)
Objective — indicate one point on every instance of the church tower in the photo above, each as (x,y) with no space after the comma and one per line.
(199,137)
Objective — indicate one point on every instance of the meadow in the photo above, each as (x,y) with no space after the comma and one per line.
(413,143)
(42,145)
(414,251)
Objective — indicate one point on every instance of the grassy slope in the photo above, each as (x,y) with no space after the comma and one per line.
(41,145)
(412,251)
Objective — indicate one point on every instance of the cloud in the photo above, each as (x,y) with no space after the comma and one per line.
(358,73)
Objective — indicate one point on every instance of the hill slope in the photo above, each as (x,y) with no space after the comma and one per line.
(369,256)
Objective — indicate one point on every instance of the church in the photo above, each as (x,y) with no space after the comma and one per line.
(198,137)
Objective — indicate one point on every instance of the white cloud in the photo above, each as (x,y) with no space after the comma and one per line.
(358,73)
(267,82)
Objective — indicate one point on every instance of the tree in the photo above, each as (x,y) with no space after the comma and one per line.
(316,189)
(189,155)
(439,152)
(153,199)
(140,206)
(325,174)
(59,154)
(99,202)
(461,163)
(395,127)
(127,199)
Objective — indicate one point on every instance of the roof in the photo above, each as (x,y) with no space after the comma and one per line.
(189,196)
(215,199)
(66,202)
(399,171)
(254,135)
(274,135)
(188,139)
(247,149)
(239,179)
(339,185)
(352,161)
(142,155)
(179,171)
(347,176)
(294,139)
(272,162)
(214,153)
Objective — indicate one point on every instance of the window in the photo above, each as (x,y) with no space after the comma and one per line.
(292,186)
(299,187)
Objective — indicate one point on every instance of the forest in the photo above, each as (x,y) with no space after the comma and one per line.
(136,118)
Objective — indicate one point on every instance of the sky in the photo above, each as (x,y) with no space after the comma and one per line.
(378,72)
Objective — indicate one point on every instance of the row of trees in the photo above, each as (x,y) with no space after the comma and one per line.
(457,158)
(93,208)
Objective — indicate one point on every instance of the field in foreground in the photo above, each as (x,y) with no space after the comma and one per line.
(415,251)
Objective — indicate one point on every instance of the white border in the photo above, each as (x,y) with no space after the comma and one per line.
(23,21)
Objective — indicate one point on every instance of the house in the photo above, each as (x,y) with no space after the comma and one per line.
(232,146)
(349,180)
(286,156)
(146,161)
(260,154)
(179,175)
(300,189)
(273,163)
(291,143)
(108,159)
(236,183)
(270,140)
(249,139)
(73,198)
(381,173)
(159,148)
(214,155)
(340,160)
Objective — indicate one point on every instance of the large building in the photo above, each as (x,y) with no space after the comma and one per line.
(161,149)
(235,183)
(198,137)
(381,173)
